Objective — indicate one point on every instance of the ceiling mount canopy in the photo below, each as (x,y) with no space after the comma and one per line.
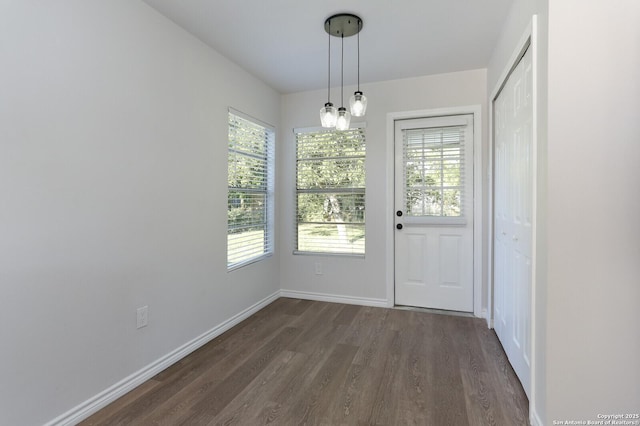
(342,25)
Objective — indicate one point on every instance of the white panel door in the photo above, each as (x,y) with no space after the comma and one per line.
(513,200)
(434,212)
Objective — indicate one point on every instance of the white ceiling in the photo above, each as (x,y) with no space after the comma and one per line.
(283,42)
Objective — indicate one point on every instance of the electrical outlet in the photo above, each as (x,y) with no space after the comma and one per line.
(142,316)
(318,268)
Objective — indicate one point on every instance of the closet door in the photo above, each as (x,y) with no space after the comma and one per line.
(513,201)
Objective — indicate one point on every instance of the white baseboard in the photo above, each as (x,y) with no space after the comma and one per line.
(535,419)
(335,298)
(104,398)
(490,323)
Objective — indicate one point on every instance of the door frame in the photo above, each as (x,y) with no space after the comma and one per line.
(528,40)
(478,265)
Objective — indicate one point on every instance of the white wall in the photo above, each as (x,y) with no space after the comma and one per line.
(593,333)
(113,128)
(356,277)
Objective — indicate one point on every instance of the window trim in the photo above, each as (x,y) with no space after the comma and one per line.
(316,129)
(269,192)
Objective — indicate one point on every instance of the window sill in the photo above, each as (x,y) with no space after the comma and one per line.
(248,262)
(322,253)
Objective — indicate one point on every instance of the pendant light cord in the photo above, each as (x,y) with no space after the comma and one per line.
(342,73)
(329,67)
(359,24)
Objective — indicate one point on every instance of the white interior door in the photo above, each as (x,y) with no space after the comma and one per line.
(513,200)
(434,212)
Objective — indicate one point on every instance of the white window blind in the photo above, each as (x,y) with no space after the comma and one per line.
(434,171)
(250,190)
(330,191)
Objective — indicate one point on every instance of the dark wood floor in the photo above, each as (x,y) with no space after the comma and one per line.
(299,362)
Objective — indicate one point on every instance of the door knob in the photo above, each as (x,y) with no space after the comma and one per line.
(399,226)
(399,213)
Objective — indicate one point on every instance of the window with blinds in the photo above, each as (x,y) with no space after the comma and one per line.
(330,191)
(250,190)
(434,171)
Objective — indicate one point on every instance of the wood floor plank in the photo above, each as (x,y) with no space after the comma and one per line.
(248,404)
(312,405)
(316,363)
(413,377)
(385,403)
(509,390)
(368,320)
(483,407)
(347,314)
(344,406)
(298,381)
(298,307)
(374,350)
(467,345)
(102,417)
(317,327)
(216,398)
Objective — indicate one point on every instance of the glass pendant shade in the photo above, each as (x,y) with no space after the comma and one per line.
(358,104)
(344,119)
(328,115)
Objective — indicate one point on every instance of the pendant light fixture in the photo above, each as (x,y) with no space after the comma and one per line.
(328,113)
(344,116)
(358,101)
(343,25)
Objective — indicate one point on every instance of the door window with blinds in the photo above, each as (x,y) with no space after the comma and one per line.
(250,190)
(433,164)
(330,191)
